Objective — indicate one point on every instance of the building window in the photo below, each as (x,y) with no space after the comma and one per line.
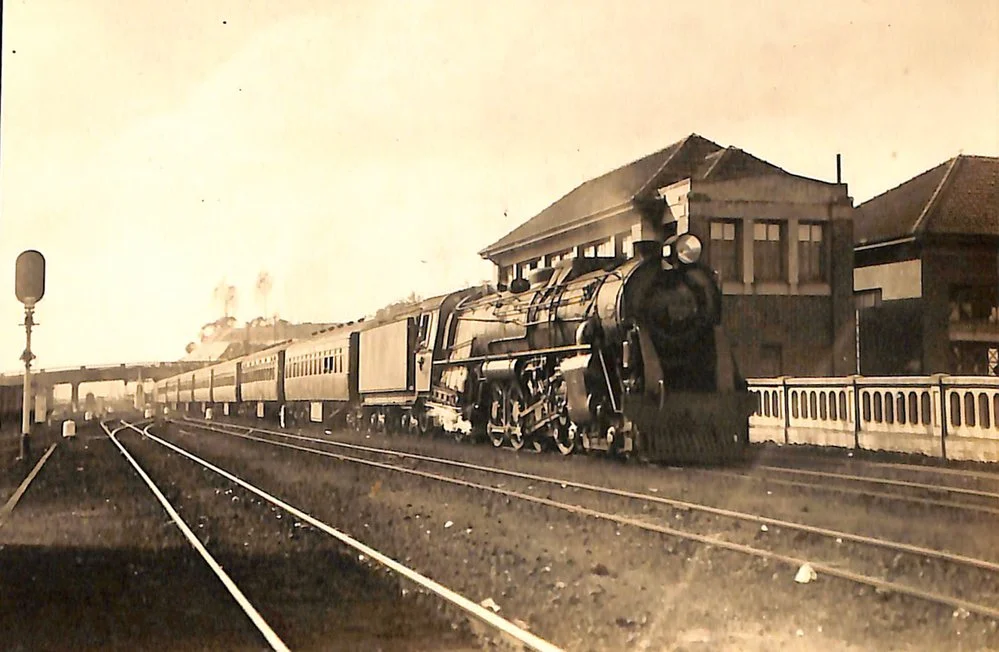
(525,268)
(558,257)
(627,244)
(865,299)
(723,250)
(978,303)
(505,274)
(812,253)
(606,248)
(768,251)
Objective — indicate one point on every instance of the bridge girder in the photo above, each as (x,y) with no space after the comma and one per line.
(124,372)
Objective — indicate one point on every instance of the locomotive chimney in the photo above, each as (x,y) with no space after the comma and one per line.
(652,211)
(648,249)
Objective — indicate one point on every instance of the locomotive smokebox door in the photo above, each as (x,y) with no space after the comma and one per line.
(29,281)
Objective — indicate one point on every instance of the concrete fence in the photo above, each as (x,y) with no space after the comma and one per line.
(955,417)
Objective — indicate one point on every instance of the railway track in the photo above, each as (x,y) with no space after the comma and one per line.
(11,503)
(931,467)
(930,478)
(272,638)
(962,564)
(888,489)
(467,606)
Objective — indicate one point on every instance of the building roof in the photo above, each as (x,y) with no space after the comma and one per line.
(692,157)
(957,197)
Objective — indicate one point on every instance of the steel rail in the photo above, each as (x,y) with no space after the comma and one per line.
(898,466)
(11,503)
(819,567)
(884,481)
(972,507)
(662,500)
(272,638)
(982,509)
(527,638)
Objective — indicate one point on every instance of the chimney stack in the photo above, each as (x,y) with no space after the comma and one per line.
(839,168)
(648,249)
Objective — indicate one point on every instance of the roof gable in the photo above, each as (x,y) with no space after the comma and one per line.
(614,188)
(969,203)
(733,163)
(959,196)
(694,157)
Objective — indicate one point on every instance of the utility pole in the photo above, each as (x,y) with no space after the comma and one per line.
(29,287)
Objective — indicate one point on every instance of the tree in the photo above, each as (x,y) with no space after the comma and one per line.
(263,288)
(396,307)
(225,295)
(211,329)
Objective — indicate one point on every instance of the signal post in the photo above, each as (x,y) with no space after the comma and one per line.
(29,287)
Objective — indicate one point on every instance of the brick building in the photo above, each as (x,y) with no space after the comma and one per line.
(927,272)
(781,243)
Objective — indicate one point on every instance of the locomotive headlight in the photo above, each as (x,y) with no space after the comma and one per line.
(688,249)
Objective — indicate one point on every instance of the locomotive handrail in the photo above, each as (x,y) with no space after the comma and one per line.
(573,348)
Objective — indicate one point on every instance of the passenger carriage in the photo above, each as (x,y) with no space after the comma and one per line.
(225,385)
(319,378)
(261,382)
(201,387)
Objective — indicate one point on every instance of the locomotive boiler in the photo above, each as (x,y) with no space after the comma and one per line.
(600,353)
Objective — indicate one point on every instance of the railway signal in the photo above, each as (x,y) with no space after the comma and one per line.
(29,287)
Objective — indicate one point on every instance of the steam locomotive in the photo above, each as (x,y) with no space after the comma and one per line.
(611,354)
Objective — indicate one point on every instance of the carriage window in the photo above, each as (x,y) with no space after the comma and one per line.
(452,329)
(423,334)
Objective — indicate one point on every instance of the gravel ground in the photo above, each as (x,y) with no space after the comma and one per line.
(89,560)
(589,585)
(958,531)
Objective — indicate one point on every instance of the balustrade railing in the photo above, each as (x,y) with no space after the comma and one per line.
(956,417)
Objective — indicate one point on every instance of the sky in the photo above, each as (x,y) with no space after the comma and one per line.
(361,151)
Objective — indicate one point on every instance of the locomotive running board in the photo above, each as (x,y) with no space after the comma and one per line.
(688,427)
